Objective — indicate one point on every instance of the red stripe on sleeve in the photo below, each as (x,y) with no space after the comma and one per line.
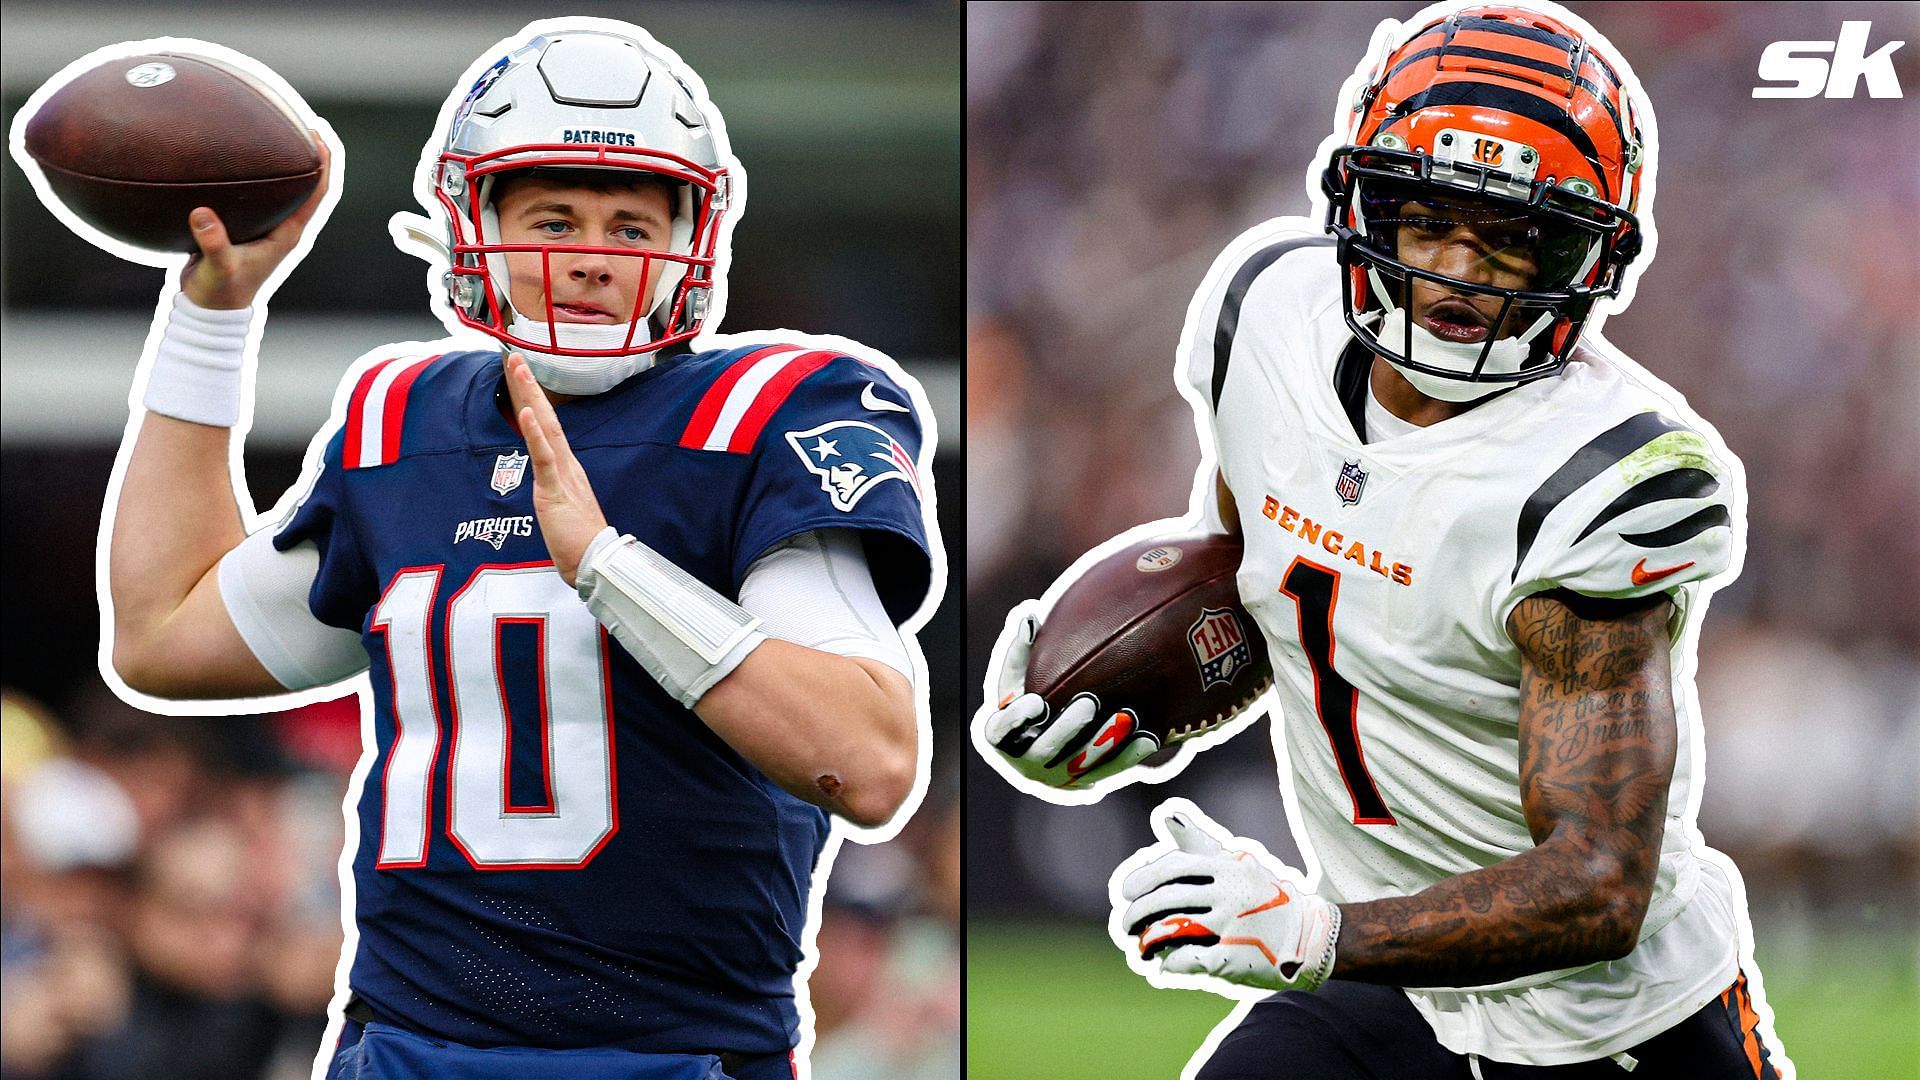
(708,411)
(356,417)
(772,396)
(396,410)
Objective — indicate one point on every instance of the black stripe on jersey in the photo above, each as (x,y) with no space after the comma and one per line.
(1678,484)
(1229,323)
(1350,383)
(1520,102)
(1713,517)
(1606,450)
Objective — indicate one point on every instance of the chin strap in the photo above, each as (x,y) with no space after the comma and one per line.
(581,375)
(1505,358)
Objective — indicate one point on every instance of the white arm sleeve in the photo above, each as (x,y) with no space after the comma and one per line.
(265,591)
(814,589)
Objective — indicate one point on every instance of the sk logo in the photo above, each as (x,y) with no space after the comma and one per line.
(851,458)
(508,470)
(1351,481)
(1791,62)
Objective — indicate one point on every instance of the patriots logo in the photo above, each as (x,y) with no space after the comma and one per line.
(851,458)
(480,86)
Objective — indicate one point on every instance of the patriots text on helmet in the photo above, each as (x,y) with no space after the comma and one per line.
(598,137)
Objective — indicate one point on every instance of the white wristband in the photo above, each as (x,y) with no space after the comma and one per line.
(196,370)
(684,634)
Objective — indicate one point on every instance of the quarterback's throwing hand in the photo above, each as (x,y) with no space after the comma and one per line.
(1073,749)
(223,275)
(563,500)
(1203,909)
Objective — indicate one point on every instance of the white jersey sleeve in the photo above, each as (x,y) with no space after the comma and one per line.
(815,589)
(1644,507)
(265,592)
(1207,342)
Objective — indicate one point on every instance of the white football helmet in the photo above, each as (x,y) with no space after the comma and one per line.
(583,99)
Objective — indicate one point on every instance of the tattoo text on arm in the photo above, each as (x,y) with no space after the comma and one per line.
(1597,745)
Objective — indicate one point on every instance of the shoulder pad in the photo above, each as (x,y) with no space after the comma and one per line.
(377,410)
(1214,320)
(1642,507)
(748,391)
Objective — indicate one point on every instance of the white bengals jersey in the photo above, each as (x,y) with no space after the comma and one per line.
(1382,574)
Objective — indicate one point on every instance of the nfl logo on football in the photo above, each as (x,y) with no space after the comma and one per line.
(1219,646)
(1349,483)
(508,470)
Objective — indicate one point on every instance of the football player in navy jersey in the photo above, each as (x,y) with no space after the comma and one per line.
(630,602)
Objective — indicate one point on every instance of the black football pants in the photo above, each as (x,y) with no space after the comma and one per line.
(1358,1031)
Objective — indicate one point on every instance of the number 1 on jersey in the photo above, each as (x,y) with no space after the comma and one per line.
(1315,590)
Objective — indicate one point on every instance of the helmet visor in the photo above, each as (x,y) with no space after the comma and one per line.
(1475,239)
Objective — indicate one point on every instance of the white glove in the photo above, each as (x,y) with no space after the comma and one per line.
(1207,910)
(1071,750)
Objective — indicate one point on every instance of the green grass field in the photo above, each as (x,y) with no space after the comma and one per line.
(1058,1001)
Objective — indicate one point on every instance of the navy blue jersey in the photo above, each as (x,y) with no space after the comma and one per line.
(552,851)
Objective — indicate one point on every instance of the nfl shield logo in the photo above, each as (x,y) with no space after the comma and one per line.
(508,471)
(1219,646)
(1351,480)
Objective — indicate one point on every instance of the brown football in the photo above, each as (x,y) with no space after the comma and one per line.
(1155,628)
(132,146)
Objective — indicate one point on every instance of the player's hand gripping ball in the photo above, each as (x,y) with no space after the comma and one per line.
(134,145)
(1203,909)
(1077,746)
(1148,647)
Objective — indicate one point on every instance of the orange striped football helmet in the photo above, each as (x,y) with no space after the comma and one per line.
(1500,115)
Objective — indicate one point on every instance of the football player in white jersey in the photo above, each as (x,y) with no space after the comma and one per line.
(1479,545)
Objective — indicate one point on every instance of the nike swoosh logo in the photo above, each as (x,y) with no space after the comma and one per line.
(1644,576)
(1180,929)
(1280,897)
(874,402)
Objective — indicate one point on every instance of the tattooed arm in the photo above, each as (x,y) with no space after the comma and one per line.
(1597,743)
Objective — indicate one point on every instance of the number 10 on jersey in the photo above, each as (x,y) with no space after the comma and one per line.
(576,724)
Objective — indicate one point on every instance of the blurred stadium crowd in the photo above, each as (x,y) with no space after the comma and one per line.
(170,906)
(1113,151)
